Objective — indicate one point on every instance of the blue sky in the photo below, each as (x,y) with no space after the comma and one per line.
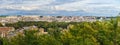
(60,7)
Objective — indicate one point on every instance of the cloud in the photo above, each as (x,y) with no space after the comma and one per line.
(59,2)
(20,7)
(86,5)
(92,6)
(57,7)
(24,4)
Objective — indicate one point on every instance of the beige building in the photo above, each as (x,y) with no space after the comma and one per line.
(41,31)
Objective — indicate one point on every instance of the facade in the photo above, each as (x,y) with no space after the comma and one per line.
(4,31)
(42,31)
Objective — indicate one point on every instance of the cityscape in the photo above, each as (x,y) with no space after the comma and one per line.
(59,22)
(14,19)
(11,31)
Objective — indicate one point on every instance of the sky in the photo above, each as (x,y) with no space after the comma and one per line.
(60,7)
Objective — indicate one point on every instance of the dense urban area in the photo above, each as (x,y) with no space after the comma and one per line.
(13,19)
(59,30)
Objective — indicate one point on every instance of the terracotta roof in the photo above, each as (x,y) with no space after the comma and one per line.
(4,29)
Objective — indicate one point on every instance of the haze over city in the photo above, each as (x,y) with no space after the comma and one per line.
(60,7)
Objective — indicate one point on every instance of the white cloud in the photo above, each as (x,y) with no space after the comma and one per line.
(85,5)
(25,4)
(20,7)
(75,6)
(88,5)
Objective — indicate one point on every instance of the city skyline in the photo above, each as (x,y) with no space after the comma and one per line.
(60,7)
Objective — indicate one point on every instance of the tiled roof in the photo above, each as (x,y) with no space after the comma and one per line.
(4,29)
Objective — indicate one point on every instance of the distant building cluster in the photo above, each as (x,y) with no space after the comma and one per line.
(11,31)
(13,19)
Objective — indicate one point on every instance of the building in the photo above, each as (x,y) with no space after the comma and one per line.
(42,31)
(14,19)
(31,28)
(4,31)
